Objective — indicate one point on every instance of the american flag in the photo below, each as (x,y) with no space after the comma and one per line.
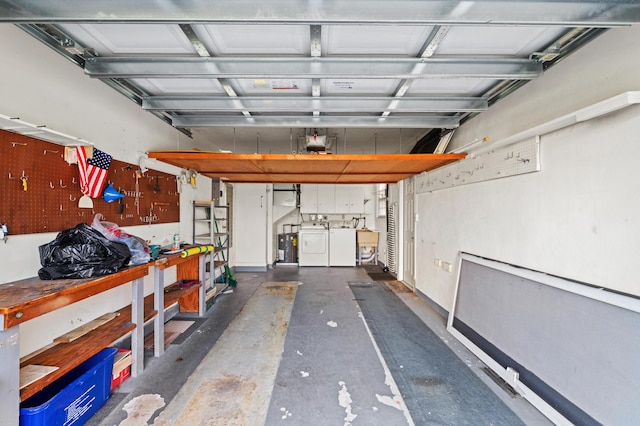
(93,171)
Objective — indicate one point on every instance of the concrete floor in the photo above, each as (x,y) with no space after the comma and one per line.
(287,346)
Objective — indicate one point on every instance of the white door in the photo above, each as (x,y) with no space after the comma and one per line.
(408,258)
(250,225)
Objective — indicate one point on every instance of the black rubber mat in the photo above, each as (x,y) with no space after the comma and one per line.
(376,273)
(437,386)
(380,276)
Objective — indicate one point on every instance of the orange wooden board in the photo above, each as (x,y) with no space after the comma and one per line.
(306,168)
(26,299)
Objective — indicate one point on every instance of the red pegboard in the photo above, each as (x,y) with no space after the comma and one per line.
(50,201)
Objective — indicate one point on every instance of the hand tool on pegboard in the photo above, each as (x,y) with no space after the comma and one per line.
(24,179)
(138,175)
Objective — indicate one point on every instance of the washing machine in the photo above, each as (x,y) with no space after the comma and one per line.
(313,245)
(342,247)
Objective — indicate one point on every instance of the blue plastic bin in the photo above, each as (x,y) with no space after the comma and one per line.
(73,398)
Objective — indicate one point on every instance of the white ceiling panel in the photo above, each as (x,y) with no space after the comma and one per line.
(191,64)
(358,87)
(161,86)
(498,40)
(223,40)
(279,87)
(450,86)
(111,39)
(373,39)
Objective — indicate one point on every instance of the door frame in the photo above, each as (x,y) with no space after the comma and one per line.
(408,233)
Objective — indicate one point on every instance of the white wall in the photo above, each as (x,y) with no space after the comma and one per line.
(605,67)
(41,87)
(578,217)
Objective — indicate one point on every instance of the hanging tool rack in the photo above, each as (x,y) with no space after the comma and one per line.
(39,190)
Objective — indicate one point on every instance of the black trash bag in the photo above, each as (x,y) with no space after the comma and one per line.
(81,252)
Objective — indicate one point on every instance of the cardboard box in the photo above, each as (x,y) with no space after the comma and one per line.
(367,238)
(121,367)
(118,379)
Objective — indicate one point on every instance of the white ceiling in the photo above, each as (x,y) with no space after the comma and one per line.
(375,76)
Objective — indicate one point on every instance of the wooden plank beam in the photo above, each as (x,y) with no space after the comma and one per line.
(306,168)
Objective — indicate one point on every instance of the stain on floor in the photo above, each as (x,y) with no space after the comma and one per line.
(220,402)
(397,286)
(140,409)
(233,384)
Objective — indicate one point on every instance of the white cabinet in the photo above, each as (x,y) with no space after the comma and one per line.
(326,201)
(349,199)
(331,199)
(309,198)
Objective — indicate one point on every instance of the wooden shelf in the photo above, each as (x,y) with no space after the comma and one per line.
(67,356)
(305,168)
(216,264)
(203,236)
(168,260)
(186,297)
(26,299)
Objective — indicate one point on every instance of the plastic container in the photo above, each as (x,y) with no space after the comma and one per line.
(73,398)
(154,250)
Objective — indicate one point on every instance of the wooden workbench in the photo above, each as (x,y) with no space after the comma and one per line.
(26,299)
(23,300)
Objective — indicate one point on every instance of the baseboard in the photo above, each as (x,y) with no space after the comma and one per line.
(262,268)
(429,301)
